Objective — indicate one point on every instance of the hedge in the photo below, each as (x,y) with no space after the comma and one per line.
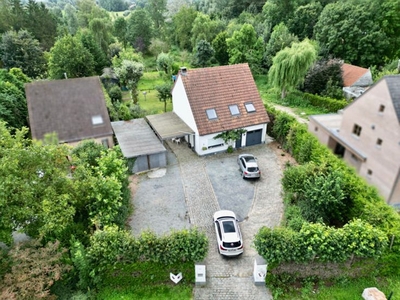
(330,104)
(361,200)
(317,242)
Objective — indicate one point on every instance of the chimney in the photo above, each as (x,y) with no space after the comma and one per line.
(183,71)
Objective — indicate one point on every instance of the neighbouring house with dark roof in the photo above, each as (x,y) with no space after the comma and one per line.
(74,109)
(355,80)
(367,135)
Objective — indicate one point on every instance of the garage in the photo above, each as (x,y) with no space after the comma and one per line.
(254,137)
(137,140)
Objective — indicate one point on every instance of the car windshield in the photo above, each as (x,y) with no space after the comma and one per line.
(252,169)
(229,226)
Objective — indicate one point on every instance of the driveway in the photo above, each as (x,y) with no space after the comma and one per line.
(189,193)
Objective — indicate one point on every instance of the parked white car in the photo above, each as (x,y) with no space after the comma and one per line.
(229,238)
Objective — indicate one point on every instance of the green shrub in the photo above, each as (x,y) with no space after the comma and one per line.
(317,242)
(331,105)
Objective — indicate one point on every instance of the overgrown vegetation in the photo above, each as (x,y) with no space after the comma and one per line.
(331,216)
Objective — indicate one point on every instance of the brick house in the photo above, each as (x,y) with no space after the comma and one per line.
(356,80)
(74,109)
(219,99)
(367,135)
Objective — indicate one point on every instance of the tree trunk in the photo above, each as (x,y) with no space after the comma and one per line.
(283,93)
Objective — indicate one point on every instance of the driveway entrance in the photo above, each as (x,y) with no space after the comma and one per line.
(203,185)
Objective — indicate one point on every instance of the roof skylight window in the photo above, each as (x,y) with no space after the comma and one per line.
(211,114)
(250,107)
(97,120)
(234,110)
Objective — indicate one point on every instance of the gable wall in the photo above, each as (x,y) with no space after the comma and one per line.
(365,80)
(181,106)
(382,160)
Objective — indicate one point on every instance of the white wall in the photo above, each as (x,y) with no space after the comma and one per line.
(181,106)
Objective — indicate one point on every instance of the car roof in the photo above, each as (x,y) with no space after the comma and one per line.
(248,157)
(223,214)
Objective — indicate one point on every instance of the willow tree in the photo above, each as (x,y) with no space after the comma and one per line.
(290,65)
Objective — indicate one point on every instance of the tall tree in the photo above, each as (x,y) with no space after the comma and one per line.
(129,74)
(182,27)
(101,29)
(344,28)
(13,107)
(204,53)
(304,19)
(71,19)
(221,48)
(21,50)
(164,93)
(41,23)
(120,30)
(157,10)
(140,30)
(69,57)
(88,41)
(164,62)
(280,39)
(290,65)
(245,46)
(205,29)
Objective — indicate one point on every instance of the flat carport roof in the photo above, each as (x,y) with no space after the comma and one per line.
(136,138)
(168,125)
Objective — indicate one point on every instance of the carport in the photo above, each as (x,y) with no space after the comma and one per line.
(168,126)
(137,140)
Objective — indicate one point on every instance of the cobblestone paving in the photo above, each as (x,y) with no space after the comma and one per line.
(230,278)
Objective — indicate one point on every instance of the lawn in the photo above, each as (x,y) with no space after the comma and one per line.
(148,99)
(147,281)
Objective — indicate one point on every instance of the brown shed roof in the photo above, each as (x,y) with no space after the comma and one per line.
(73,108)
(352,73)
(218,88)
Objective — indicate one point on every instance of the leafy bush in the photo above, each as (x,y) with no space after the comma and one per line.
(111,246)
(331,105)
(317,242)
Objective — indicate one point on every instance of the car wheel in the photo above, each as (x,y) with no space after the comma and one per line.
(243,176)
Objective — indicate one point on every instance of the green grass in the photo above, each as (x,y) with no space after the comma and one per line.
(347,289)
(149,101)
(148,281)
(294,99)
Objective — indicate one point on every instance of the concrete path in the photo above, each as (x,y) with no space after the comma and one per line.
(230,278)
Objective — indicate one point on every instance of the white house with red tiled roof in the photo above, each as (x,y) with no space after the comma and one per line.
(219,99)
(355,80)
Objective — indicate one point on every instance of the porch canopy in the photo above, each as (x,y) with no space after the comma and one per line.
(168,125)
(136,138)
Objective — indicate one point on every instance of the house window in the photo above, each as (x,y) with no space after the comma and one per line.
(357,130)
(104,142)
(211,114)
(381,108)
(97,120)
(315,128)
(234,110)
(250,107)
(379,143)
(369,172)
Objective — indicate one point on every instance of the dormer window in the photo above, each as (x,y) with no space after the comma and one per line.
(234,110)
(250,107)
(97,120)
(211,114)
